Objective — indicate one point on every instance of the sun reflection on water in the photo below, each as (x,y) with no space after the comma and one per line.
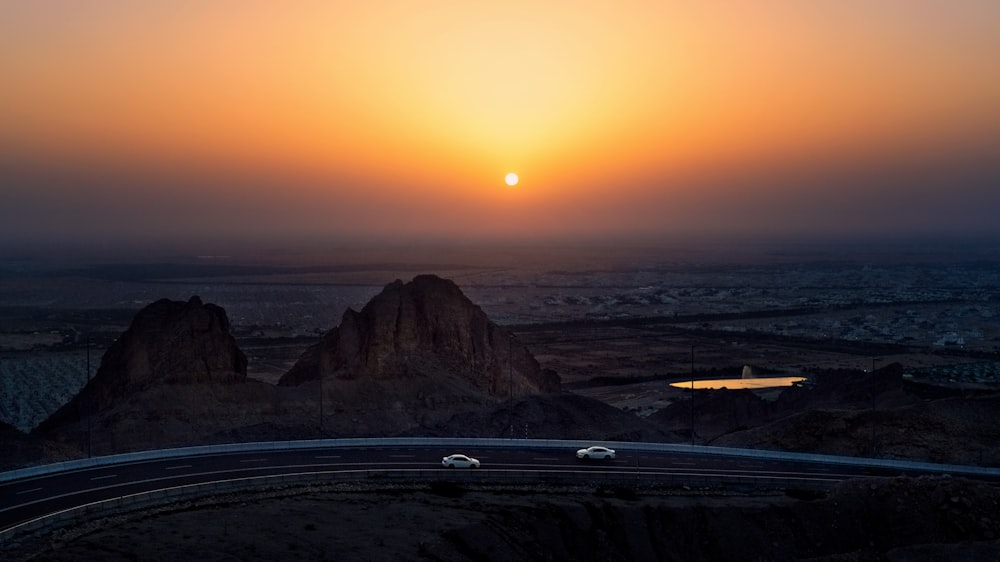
(734,384)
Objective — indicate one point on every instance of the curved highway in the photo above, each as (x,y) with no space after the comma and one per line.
(28,498)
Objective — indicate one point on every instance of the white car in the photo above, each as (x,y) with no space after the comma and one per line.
(595,453)
(459,461)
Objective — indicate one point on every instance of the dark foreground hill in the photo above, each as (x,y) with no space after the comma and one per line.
(897,520)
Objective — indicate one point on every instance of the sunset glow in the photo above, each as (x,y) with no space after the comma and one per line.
(386,119)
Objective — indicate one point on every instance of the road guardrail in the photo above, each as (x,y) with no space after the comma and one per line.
(263,446)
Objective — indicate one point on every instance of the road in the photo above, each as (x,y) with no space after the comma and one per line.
(29,498)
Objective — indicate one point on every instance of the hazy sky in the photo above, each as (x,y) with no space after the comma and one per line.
(397,120)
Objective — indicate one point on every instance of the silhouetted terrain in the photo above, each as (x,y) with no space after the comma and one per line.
(898,519)
(428,361)
(422,359)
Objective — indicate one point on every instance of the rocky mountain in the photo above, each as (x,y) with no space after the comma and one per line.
(426,327)
(168,342)
(414,358)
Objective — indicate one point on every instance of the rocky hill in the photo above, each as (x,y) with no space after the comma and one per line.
(168,342)
(426,327)
(851,413)
(419,359)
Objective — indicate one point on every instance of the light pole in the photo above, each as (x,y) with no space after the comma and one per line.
(692,395)
(872,388)
(510,384)
(321,403)
(89,413)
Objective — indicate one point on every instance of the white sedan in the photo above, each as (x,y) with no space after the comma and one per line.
(595,453)
(459,461)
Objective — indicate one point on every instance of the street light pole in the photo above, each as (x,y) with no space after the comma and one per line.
(90,413)
(510,384)
(692,395)
(872,388)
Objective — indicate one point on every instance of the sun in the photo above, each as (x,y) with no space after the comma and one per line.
(511,179)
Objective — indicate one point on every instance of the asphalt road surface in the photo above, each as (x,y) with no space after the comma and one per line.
(28,498)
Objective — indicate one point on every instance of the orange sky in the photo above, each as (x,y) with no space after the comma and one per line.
(400,119)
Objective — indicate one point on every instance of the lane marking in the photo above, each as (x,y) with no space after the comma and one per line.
(104,477)
(176,467)
(28,491)
(401,456)
(328,456)
(253,460)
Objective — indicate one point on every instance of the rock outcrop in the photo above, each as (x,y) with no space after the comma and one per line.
(168,342)
(426,327)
